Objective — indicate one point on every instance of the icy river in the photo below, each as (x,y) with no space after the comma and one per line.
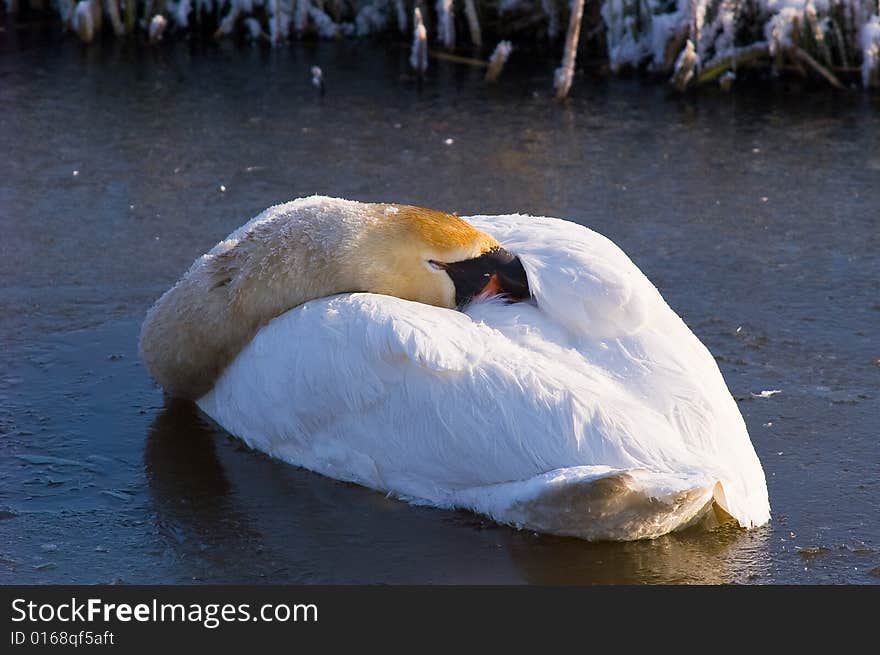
(757,215)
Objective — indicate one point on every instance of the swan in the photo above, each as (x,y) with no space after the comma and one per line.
(565,396)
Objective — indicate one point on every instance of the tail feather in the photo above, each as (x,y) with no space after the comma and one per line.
(597,503)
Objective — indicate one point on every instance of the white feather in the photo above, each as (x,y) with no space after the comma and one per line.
(591,411)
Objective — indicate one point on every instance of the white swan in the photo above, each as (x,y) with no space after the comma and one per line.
(590,410)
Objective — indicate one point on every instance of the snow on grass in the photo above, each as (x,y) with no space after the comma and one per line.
(680,38)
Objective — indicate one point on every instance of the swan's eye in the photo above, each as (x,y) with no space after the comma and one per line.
(436,266)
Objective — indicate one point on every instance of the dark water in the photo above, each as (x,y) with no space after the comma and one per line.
(756,215)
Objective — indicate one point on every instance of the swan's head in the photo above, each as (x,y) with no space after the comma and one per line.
(308,249)
(436,258)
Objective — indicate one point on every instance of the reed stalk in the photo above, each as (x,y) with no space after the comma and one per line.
(158,23)
(731,61)
(457,59)
(112,7)
(565,73)
(400,10)
(418,58)
(446,23)
(805,57)
(470,12)
(497,60)
(130,15)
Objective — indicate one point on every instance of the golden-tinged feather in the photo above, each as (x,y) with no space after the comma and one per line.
(438,228)
(290,254)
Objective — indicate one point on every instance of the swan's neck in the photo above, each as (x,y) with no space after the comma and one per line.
(286,256)
(279,260)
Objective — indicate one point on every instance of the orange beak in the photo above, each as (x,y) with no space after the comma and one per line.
(492,288)
(495,272)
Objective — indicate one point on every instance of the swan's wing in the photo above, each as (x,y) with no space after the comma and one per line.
(578,276)
(618,321)
(407,397)
(392,394)
(438,408)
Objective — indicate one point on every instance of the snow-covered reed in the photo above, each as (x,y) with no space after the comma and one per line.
(158,24)
(689,41)
(418,58)
(86,19)
(699,40)
(473,21)
(446,23)
(498,59)
(564,75)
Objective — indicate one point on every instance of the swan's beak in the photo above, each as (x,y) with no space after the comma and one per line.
(495,272)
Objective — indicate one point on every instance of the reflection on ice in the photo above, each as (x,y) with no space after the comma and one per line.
(229,514)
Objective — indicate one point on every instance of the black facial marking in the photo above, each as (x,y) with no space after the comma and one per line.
(470,276)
